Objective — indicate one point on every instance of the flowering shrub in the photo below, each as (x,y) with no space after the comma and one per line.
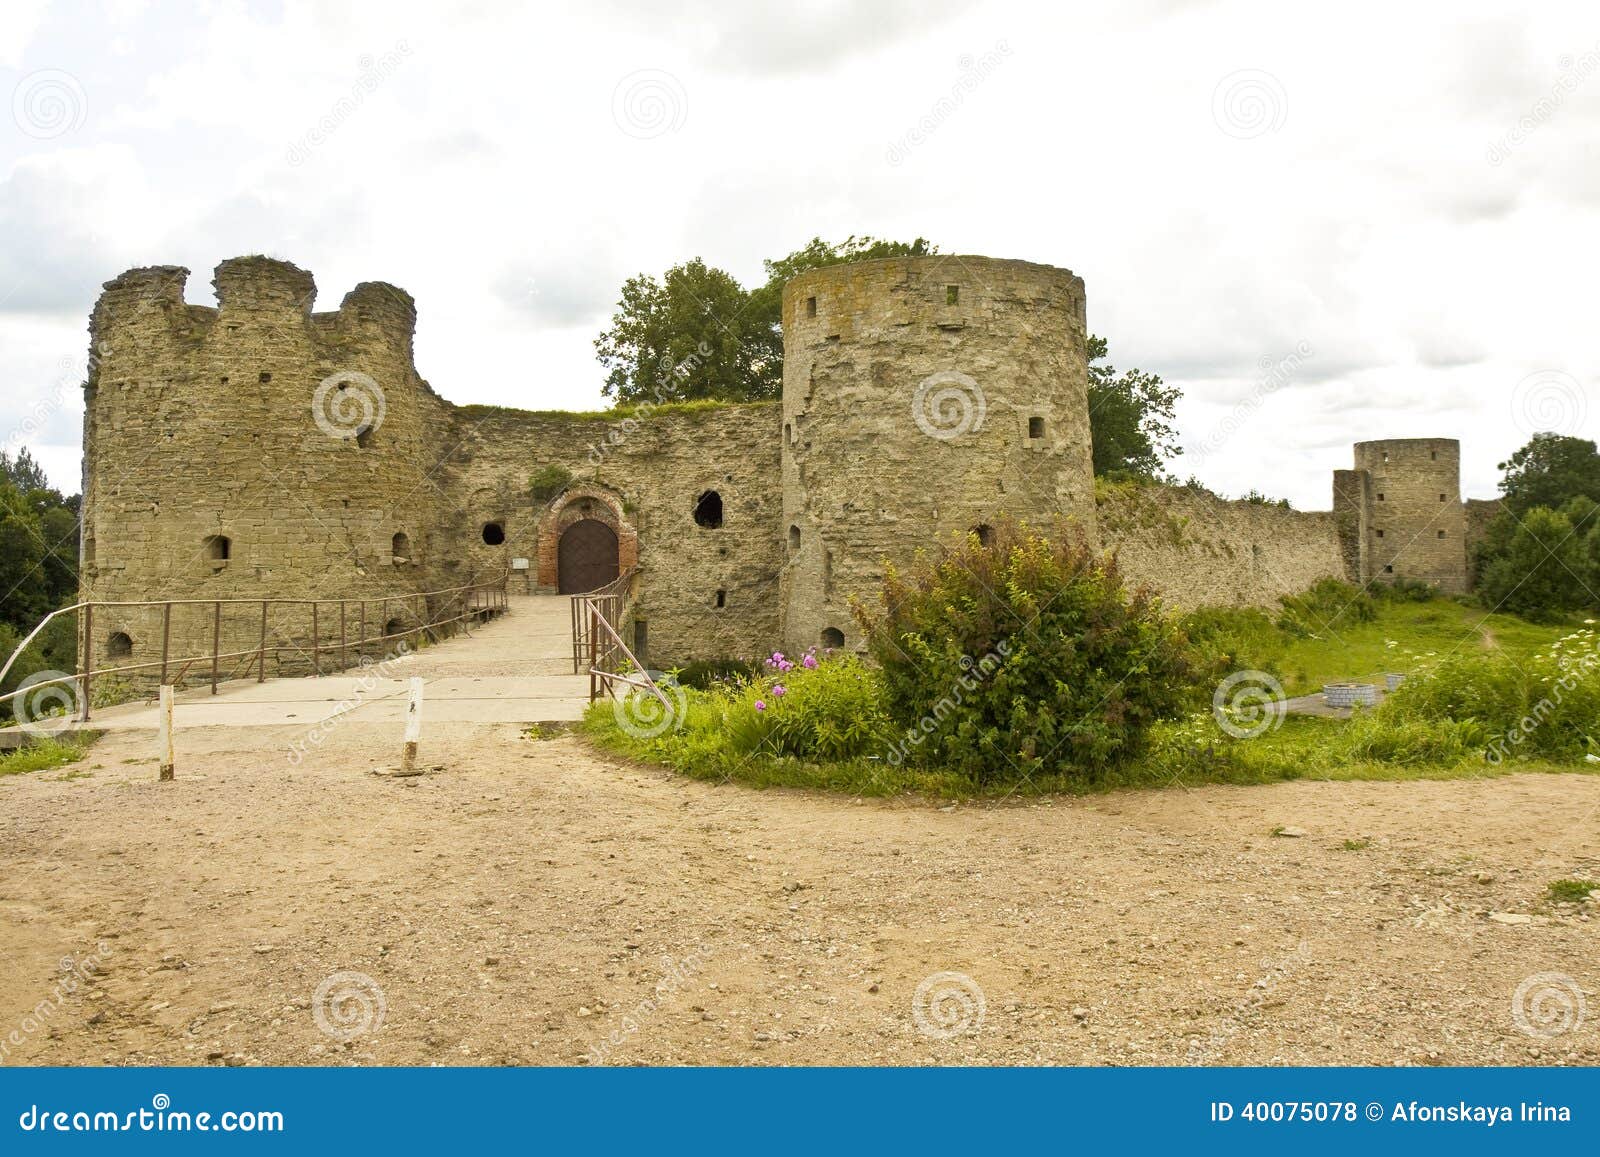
(828,707)
(1023,657)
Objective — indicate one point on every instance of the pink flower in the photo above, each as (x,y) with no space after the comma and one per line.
(809,662)
(761,704)
(779,689)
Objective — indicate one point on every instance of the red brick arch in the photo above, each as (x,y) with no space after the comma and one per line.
(574,505)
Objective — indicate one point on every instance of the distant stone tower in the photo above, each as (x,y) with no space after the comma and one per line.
(923,397)
(252,450)
(1400,515)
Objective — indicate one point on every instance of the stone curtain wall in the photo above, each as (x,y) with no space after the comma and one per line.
(922,397)
(1196,549)
(656,463)
(201,423)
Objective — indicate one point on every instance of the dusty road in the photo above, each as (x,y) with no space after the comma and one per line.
(534,903)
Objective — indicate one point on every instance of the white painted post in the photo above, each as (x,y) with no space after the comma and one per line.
(408,759)
(164,732)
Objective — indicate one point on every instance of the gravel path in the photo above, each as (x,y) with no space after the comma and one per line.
(535,903)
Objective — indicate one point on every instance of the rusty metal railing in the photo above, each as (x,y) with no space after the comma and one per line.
(420,614)
(611,600)
(610,663)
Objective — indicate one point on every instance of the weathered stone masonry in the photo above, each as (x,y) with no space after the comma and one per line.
(259,449)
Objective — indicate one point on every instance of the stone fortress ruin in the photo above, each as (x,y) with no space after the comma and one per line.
(260,450)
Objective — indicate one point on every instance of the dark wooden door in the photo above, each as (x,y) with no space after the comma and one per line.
(587,557)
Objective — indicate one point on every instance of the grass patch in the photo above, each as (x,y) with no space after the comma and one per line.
(1360,845)
(1571,891)
(41,756)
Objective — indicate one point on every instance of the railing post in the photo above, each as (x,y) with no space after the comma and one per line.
(88,661)
(593,653)
(344,649)
(261,652)
(316,653)
(361,650)
(166,637)
(216,642)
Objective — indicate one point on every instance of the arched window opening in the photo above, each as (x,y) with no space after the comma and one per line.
(794,538)
(832,637)
(217,547)
(119,645)
(494,534)
(708,510)
(400,548)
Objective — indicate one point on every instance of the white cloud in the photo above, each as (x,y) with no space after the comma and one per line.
(483,168)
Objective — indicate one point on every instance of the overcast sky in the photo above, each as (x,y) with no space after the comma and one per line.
(1376,221)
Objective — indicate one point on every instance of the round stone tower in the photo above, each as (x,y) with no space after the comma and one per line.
(1413,524)
(923,397)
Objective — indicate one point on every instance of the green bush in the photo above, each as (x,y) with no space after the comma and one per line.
(1536,573)
(827,708)
(1022,658)
(704,674)
(548,481)
(1322,608)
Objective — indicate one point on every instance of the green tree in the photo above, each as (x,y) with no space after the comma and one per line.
(1550,470)
(1538,573)
(1130,419)
(697,333)
(24,583)
(689,336)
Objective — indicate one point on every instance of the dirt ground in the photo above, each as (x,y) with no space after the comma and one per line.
(536,903)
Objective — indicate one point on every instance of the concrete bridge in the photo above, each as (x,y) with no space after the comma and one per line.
(516,668)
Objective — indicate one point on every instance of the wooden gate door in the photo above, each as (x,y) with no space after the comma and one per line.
(586,558)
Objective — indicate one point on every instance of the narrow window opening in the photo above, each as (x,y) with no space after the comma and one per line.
(493,533)
(1380,496)
(722,599)
(400,548)
(265,377)
(119,645)
(984,533)
(1441,498)
(1379,533)
(952,294)
(1441,534)
(811,307)
(708,510)
(1388,570)
(832,637)
(794,538)
(217,548)
(364,437)
(641,638)
(1036,427)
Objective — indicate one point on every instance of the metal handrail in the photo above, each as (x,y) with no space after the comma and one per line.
(470,608)
(612,597)
(602,679)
